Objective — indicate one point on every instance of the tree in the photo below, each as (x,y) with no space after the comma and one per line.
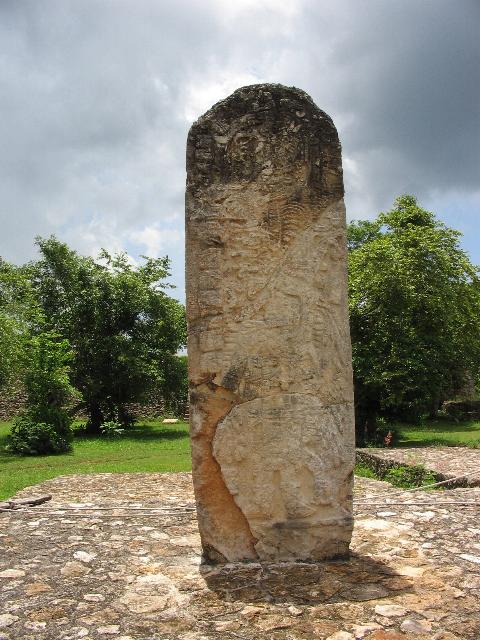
(10,345)
(35,361)
(19,313)
(414,300)
(45,425)
(361,231)
(120,323)
(175,390)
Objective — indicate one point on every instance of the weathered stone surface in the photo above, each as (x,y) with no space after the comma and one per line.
(160,591)
(269,348)
(12,573)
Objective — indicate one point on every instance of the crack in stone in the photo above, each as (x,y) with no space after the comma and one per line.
(214,491)
(287,522)
(211,554)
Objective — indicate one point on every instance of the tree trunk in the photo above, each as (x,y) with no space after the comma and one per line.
(366,411)
(95,419)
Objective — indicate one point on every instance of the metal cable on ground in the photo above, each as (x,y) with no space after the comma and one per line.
(14,505)
(371,501)
(67,512)
(126,507)
(152,512)
(430,503)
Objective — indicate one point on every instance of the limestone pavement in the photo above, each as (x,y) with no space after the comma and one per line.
(67,573)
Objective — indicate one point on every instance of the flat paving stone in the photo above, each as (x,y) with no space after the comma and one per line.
(115,572)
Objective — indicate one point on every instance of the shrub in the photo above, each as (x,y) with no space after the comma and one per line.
(115,420)
(45,426)
(406,477)
(111,429)
(365,472)
(31,438)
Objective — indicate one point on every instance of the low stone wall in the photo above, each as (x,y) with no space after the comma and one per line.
(11,404)
(462,409)
(444,462)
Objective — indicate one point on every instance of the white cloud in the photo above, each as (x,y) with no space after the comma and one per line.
(96,99)
(202,94)
(154,241)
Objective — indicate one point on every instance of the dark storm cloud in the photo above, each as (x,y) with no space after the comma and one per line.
(417,100)
(96,98)
(400,80)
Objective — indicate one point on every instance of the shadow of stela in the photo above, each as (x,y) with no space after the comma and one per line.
(357,579)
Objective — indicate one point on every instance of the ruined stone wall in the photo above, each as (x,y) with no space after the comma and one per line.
(12,402)
(269,347)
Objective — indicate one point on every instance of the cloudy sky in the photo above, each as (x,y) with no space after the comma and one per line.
(96,98)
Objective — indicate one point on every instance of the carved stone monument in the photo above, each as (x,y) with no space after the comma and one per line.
(271,399)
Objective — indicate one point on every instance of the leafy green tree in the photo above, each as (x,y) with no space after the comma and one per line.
(361,231)
(414,301)
(19,314)
(45,425)
(175,391)
(35,361)
(122,326)
(10,345)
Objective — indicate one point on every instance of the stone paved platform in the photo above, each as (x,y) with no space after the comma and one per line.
(68,574)
(449,462)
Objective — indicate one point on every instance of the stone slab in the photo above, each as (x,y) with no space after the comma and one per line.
(271,413)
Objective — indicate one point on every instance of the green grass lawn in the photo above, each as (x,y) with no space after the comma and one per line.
(148,447)
(439,433)
(152,446)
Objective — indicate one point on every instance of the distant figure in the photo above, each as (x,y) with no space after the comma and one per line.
(388,439)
